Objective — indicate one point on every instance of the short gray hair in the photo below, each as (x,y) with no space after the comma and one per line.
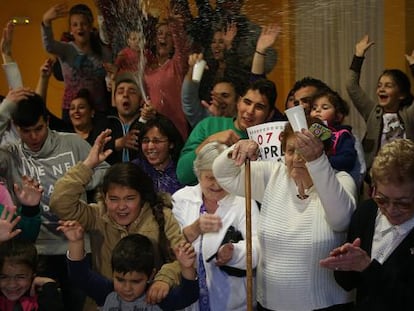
(205,158)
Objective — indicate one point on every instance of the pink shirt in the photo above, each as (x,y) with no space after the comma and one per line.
(163,84)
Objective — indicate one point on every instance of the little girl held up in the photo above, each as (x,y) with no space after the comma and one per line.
(329,107)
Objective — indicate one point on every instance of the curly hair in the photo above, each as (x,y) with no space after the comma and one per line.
(394,163)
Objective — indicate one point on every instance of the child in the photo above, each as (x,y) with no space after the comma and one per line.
(129,204)
(329,107)
(20,288)
(389,118)
(133,267)
(81,59)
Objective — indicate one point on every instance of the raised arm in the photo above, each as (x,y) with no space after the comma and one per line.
(266,39)
(50,44)
(190,100)
(6,43)
(358,96)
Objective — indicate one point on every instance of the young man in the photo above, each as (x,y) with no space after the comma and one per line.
(254,108)
(127,119)
(46,155)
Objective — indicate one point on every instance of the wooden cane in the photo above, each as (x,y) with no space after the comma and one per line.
(249,269)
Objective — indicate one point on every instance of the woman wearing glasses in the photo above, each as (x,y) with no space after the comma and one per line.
(378,260)
(160,144)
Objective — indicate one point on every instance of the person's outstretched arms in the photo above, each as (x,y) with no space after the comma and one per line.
(410,60)
(8,223)
(358,96)
(190,101)
(6,43)
(266,39)
(43,81)
(29,194)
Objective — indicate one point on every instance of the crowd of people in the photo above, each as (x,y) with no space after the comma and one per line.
(134,199)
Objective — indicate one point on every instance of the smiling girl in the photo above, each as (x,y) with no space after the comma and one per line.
(129,204)
(389,118)
(82,58)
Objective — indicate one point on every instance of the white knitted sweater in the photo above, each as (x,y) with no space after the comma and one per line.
(295,234)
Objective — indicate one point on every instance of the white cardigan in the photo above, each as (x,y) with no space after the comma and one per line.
(295,234)
(225,292)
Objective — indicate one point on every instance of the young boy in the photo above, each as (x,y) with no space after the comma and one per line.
(133,268)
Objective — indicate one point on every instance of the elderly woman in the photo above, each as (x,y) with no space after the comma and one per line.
(306,209)
(214,221)
(378,259)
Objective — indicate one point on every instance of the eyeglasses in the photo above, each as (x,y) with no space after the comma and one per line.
(16,278)
(155,141)
(403,205)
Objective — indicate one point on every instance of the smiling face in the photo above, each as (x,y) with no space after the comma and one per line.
(217,45)
(123,204)
(324,110)
(389,94)
(131,285)
(80,28)
(128,100)
(15,280)
(395,200)
(164,43)
(209,186)
(156,148)
(134,40)
(252,109)
(80,113)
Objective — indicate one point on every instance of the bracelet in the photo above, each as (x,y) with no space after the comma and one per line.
(260,53)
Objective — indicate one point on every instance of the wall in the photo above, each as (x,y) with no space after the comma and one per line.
(28,50)
(29,53)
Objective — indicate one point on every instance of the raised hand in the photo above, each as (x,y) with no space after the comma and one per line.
(46,68)
(148,111)
(362,46)
(97,154)
(6,42)
(267,37)
(410,58)
(72,229)
(30,191)
(309,146)
(7,223)
(229,34)
(57,11)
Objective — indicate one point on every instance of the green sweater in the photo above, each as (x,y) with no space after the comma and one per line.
(203,129)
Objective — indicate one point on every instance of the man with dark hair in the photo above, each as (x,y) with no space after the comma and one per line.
(303,90)
(255,107)
(126,119)
(46,155)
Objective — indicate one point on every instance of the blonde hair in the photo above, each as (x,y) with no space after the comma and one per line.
(394,163)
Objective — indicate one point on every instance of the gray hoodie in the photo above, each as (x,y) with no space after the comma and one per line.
(60,152)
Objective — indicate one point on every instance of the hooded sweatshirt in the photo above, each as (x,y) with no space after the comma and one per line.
(58,154)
